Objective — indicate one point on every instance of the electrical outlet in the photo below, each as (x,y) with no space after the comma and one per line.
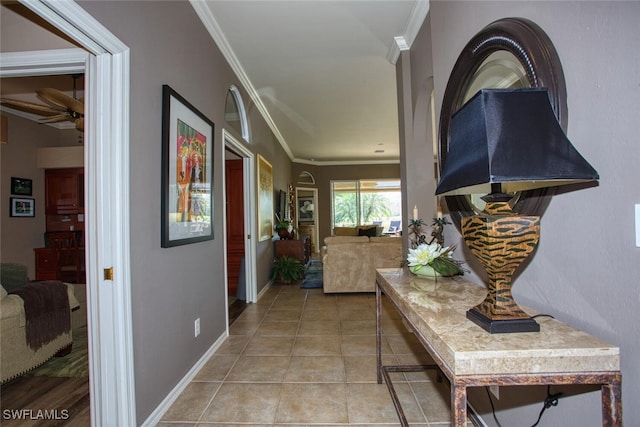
(196,326)
(495,390)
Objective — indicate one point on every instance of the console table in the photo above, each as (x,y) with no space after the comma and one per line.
(471,357)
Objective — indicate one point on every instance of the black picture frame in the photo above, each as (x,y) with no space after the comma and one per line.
(21,186)
(22,207)
(187,172)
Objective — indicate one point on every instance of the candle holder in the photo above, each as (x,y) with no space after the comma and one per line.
(417,237)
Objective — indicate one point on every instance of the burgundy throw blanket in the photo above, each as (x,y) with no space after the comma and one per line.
(46,307)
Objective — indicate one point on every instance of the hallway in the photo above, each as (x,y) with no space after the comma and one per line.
(300,357)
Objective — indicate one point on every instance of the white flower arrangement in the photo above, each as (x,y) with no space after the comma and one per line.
(435,256)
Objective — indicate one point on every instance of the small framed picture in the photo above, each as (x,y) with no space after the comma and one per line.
(305,209)
(22,207)
(21,186)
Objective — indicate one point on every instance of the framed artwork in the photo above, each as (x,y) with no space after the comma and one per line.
(305,209)
(21,186)
(187,172)
(265,199)
(22,207)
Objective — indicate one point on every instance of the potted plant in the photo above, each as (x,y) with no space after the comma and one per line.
(287,269)
(284,229)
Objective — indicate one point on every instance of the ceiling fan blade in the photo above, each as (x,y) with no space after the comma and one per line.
(61,99)
(29,107)
(56,119)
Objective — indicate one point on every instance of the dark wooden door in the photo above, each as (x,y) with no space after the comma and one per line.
(235,222)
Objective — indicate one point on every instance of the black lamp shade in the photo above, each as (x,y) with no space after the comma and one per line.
(509,137)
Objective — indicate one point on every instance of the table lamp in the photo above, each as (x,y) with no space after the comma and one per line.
(504,141)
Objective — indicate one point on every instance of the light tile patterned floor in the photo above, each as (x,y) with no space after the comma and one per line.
(299,357)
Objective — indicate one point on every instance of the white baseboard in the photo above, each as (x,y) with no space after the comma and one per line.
(157,414)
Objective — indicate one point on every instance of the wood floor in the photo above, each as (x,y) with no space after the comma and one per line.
(45,401)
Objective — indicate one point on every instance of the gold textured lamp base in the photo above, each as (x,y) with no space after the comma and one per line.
(501,240)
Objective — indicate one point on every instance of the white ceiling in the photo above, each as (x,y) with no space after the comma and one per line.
(321,71)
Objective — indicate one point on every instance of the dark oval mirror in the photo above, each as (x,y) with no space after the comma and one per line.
(510,52)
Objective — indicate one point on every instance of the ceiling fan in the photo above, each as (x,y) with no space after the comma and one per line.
(59,107)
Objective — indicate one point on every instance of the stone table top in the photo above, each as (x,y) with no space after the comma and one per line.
(437,309)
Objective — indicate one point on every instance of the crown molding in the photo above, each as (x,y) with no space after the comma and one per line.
(208,20)
(345,162)
(404,42)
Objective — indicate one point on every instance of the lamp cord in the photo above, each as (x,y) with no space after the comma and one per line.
(542,315)
(549,401)
(493,409)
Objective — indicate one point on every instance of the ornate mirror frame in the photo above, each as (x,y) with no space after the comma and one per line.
(535,52)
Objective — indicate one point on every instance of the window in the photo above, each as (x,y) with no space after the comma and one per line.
(306,178)
(235,114)
(372,201)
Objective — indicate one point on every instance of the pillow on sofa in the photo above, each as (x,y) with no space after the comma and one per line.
(13,276)
(345,231)
(368,231)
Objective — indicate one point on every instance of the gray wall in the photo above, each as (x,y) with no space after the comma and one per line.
(170,287)
(586,269)
(174,286)
(18,158)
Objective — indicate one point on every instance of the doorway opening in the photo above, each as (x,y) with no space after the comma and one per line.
(234,192)
(307,215)
(239,226)
(105,62)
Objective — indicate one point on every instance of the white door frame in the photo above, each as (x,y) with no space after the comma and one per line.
(105,62)
(250,227)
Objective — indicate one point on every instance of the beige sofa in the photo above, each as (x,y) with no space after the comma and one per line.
(349,263)
(16,357)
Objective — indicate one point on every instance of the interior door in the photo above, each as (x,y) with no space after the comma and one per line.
(235,228)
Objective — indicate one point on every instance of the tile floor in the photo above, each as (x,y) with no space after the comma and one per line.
(299,357)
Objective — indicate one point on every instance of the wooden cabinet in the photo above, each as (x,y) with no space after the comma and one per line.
(64,191)
(300,249)
(46,264)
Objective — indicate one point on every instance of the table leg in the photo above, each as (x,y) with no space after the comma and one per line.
(612,404)
(379,333)
(458,405)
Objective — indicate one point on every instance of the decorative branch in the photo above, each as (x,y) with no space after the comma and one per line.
(417,236)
